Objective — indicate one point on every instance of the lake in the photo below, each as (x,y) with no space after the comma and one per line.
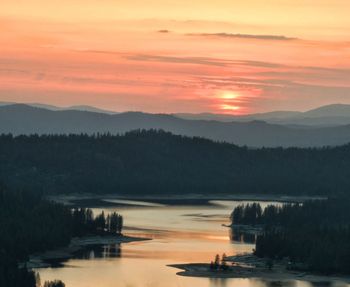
(180,234)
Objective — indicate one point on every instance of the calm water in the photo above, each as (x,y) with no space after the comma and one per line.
(181,234)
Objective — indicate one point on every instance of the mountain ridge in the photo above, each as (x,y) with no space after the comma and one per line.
(23,119)
(323,116)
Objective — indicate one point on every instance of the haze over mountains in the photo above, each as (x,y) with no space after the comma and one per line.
(329,125)
(330,115)
(56,108)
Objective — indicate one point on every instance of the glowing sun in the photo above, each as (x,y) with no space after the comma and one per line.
(229,95)
(228,101)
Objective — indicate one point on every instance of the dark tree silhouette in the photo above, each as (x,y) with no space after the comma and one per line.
(29,224)
(314,235)
(156,162)
(56,283)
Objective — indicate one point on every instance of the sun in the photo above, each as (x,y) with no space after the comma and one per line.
(227,101)
(229,96)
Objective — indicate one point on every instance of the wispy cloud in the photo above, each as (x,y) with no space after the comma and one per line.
(179,60)
(164,31)
(244,36)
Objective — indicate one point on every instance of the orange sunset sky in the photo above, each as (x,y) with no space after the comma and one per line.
(221,56)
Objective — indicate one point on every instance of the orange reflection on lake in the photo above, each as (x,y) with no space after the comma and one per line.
(180,234)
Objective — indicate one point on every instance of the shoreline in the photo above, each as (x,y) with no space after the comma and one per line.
(40,260)
(99,200)
(250,267)
(202,270)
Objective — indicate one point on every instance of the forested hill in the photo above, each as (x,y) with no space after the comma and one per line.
(156,162)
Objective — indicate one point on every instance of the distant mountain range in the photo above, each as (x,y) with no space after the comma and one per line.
(27,119)
(56,108)
(325,116)
(330,115)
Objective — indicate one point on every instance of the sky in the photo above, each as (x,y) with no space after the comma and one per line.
(167,56)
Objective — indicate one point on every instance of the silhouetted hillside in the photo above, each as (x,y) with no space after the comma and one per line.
(23,119)
(151,162)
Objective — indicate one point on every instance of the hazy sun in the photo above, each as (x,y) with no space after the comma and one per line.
(229,96)
(228,101)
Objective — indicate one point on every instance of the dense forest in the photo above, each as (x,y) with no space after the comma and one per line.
(314,235)
(29,224)
(151,162)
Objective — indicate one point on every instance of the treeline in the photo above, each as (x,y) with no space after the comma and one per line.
(151,162)
(30,224)
(314,235)
(84,221)
(55,283)
(251,214)
(219,263)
